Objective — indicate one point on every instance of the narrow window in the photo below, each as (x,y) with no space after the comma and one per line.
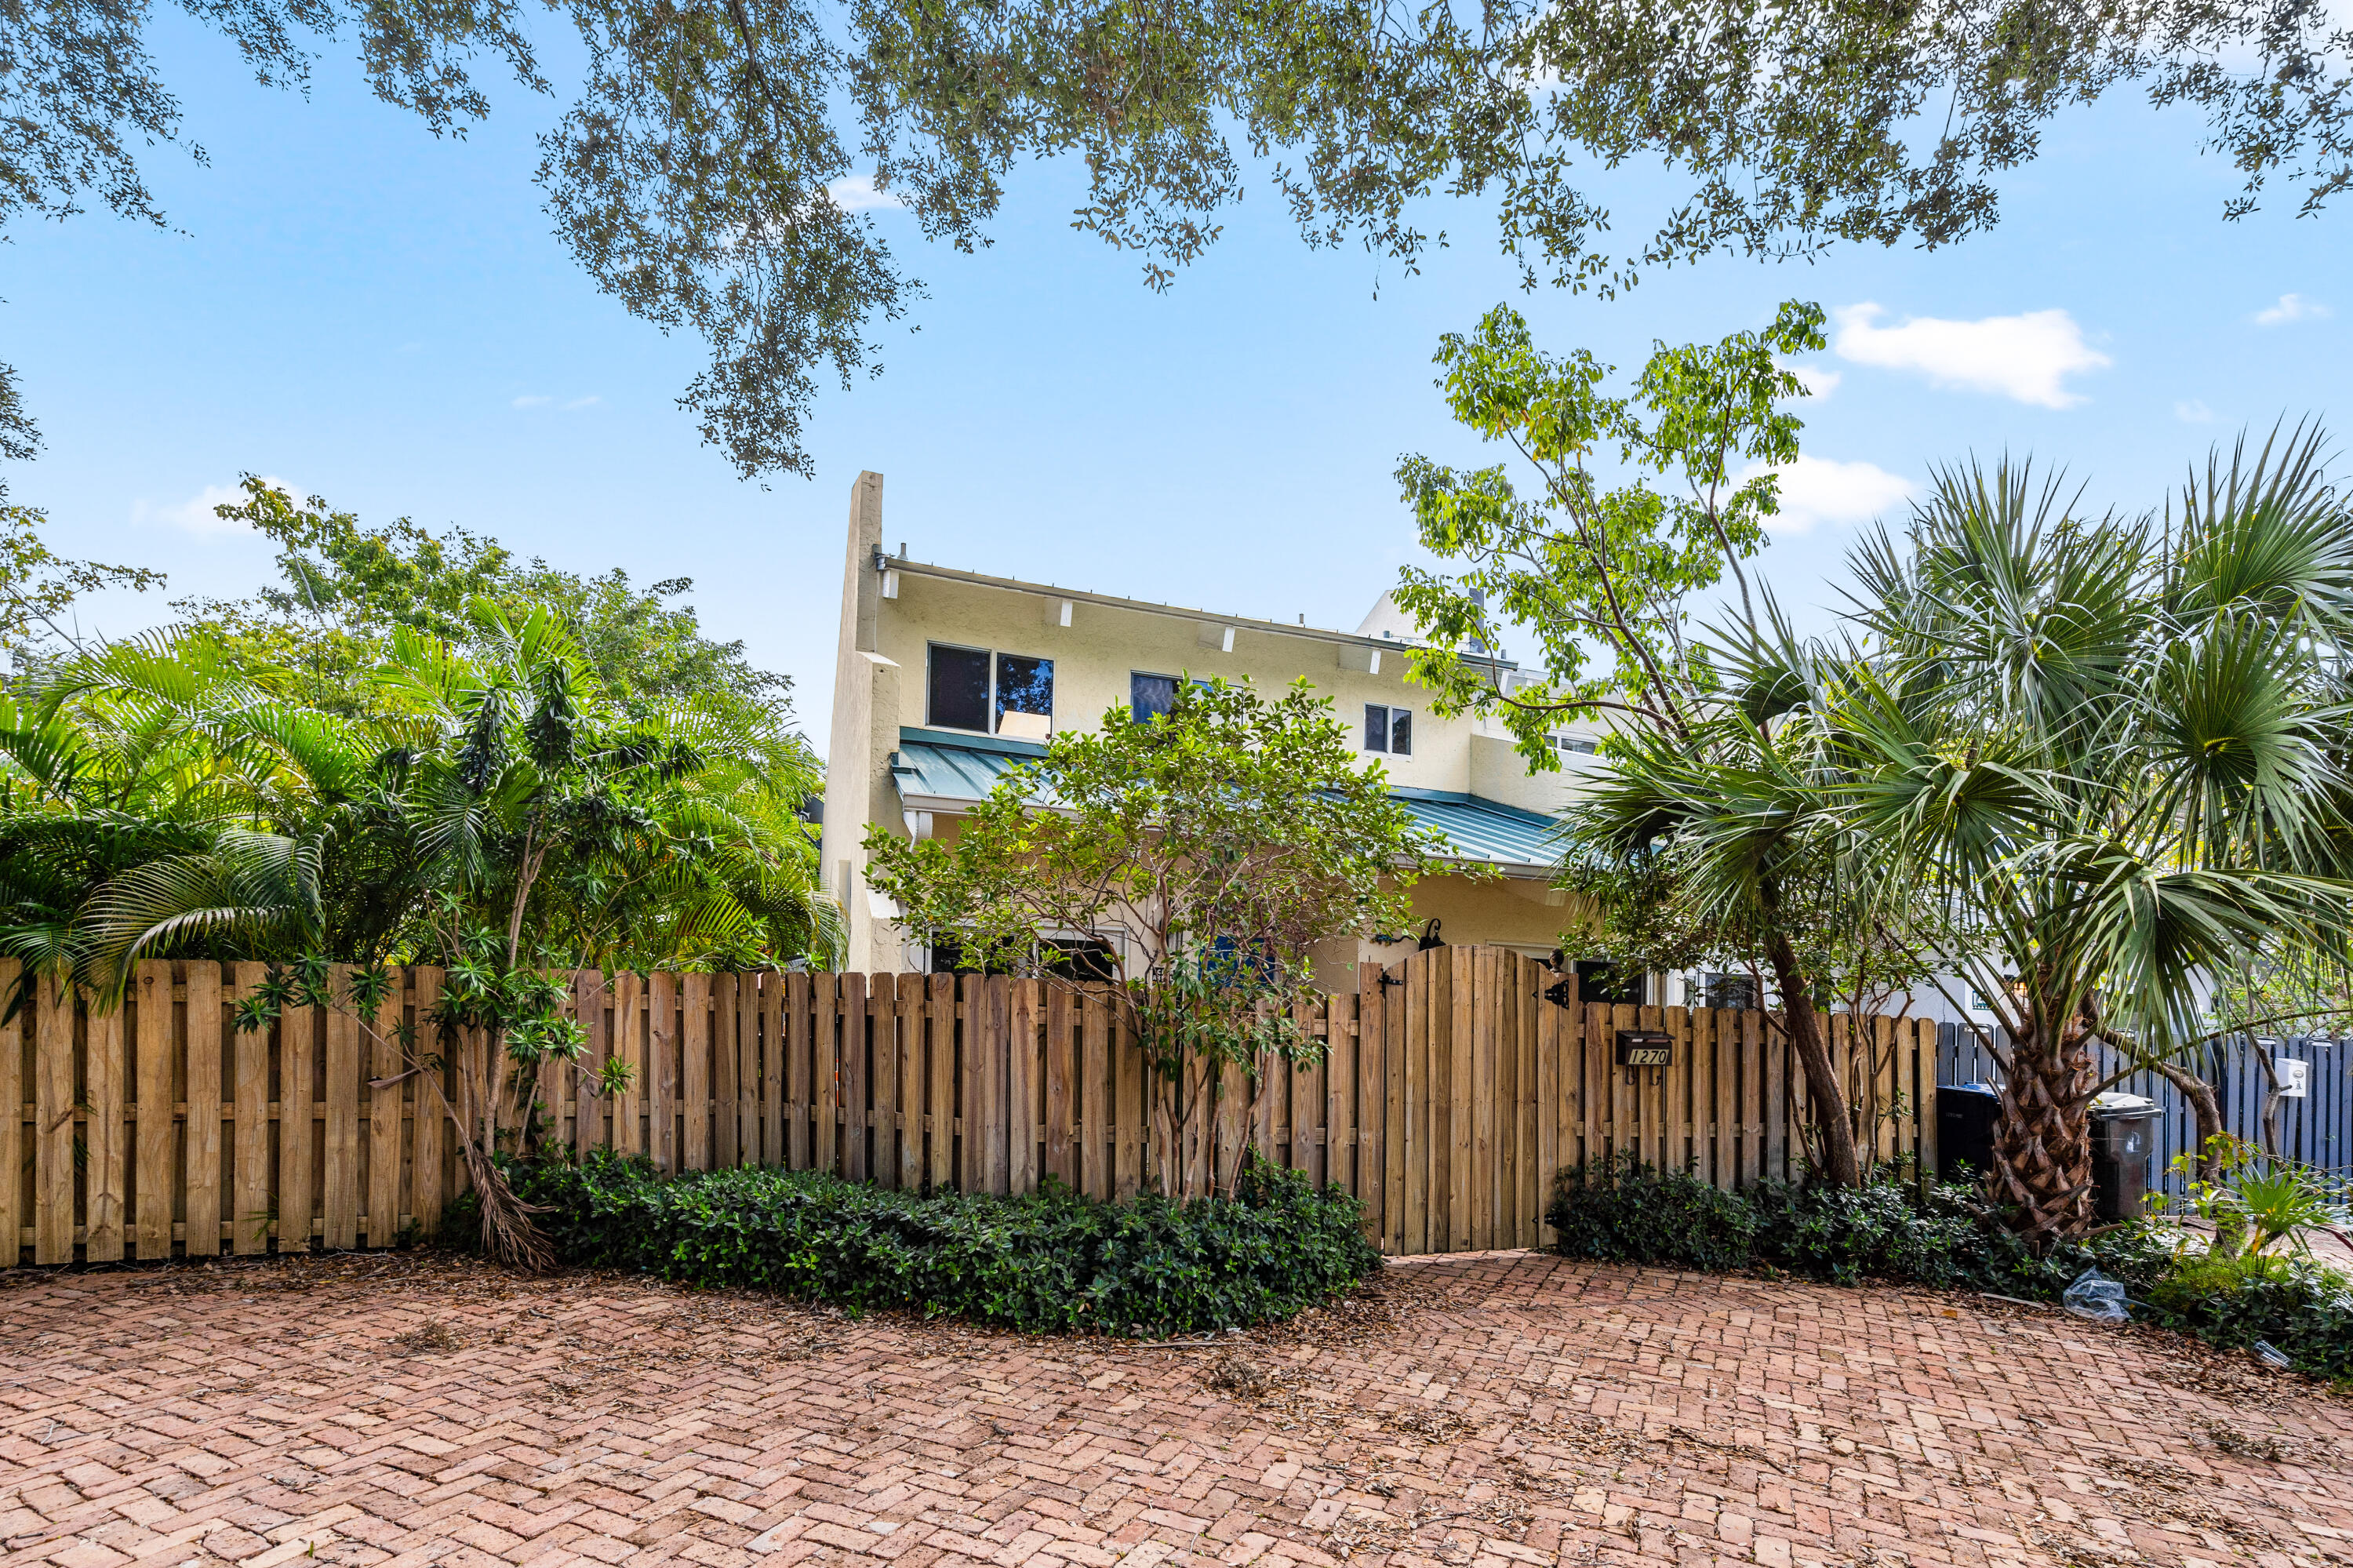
(959,688)
(1149,697)
(1025,697)
(1388,729)
(1599,980)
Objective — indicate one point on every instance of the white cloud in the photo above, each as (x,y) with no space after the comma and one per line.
(2194,411)
(856,193)
(1815,490)
(533,401)
(2293,308)
(1819,381)
(2028,357)
(588,402)
(194,515)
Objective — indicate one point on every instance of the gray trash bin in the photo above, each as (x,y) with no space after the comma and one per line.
(2124,1143)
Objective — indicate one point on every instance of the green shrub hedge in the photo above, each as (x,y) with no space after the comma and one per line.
(1949,1238)
(1053,1262)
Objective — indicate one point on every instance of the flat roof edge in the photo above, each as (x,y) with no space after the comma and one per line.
(1176,612)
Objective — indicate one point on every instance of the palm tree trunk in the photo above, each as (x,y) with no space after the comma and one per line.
(1809,1038)
(2042,1140)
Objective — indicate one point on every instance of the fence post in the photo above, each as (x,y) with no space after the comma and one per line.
(153,1038)
(103,1173)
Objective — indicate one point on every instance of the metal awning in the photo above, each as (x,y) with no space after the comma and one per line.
(939,770)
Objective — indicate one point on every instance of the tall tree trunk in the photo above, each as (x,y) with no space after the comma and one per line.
(1810,1039)
(2206,1111)
(2042,1140)
(2230,1226)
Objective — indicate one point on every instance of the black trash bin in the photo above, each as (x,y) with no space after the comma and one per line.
(2124,1142)
(1965,1118)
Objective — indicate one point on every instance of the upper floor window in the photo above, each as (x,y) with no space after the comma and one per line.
(995,693)
(1388,729)
(1150,696)
(1576,746)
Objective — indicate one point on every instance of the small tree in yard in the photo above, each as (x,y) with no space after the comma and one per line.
(1699,842)
(516,1016)
(1225,838)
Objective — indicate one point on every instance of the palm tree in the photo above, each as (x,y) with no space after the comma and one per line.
(1723,831)
(2106,747)
(142,764)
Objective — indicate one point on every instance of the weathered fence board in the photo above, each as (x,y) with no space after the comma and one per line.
(104,1178)
(157,1139)
(1447,1096)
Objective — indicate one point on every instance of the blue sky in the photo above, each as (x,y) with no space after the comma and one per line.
(365,313)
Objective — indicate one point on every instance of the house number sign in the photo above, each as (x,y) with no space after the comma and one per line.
(1645,1048)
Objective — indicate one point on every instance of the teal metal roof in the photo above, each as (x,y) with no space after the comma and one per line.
(940,769)
(1481,829)
(933,765)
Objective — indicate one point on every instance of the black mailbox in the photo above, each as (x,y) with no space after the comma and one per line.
(1645,1048)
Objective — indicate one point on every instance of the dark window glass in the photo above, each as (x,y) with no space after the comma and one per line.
(1149,696)
(1737,992)
(1401,731)
(1377,728)
(959,688)
(1024,685)
(1598,981)
(1078,959)
(948,959)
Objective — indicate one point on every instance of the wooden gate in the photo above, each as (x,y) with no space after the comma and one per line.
(1487,1090)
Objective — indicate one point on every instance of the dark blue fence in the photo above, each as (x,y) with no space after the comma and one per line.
(2316,1130)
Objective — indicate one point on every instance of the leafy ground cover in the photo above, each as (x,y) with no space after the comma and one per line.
(1055,1261)
(1948,1238)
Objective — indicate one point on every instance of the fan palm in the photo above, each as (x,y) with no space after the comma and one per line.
(2106,747)
(1735,827)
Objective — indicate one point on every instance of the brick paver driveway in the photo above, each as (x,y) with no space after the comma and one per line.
(1513,1408)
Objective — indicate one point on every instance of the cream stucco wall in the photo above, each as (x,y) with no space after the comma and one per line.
(1503,911)
(1499,772)
(1103,645)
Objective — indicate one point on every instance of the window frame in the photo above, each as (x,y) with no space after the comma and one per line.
(990,713)
(1389,712)
(1175,683)
(931,684)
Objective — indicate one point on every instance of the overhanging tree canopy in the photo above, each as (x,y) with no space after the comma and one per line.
(692,177)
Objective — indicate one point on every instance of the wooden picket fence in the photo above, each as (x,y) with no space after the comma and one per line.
(1449,1095)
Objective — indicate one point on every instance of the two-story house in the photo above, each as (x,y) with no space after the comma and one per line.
(945,677)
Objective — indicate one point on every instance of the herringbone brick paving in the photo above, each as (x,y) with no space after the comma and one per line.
(1512,1408)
